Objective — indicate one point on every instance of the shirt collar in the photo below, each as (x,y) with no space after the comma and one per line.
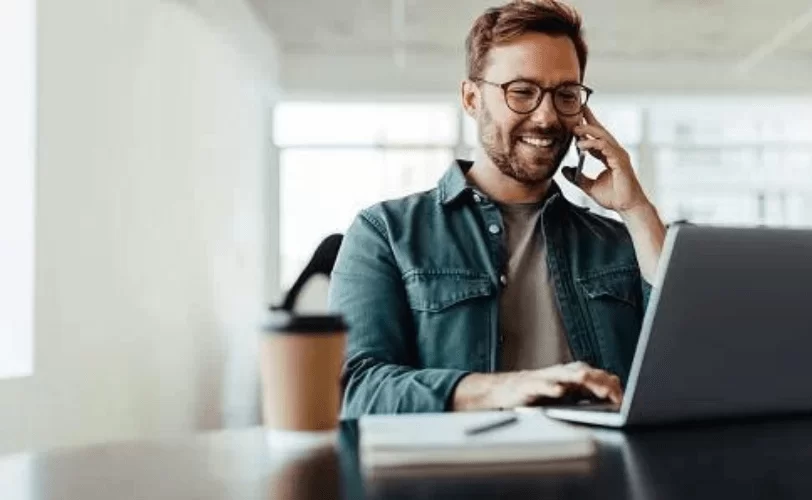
(453,184)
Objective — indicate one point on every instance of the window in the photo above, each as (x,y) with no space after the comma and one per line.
(17,136)
(337,158)
(733,161)
(346,124)
(323,189)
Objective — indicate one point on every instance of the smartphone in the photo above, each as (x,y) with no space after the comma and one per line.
(581,156)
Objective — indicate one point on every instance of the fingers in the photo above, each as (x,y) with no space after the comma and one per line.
(582,181)
(593,145)
(590,117)
(523,388)
(593,124)
(537,391)
(592,129)
(585,131)
(611,155)
(551,389)
(598,148)
(602,384)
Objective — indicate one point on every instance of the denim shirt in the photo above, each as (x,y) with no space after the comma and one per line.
(418,281)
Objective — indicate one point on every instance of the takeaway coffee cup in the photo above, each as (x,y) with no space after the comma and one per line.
(300,362)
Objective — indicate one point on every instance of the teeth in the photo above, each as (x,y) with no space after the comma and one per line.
(537,142)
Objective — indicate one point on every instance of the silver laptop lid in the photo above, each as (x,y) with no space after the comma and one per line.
(728,330)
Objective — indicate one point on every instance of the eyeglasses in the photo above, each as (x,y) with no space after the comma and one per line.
(524,96)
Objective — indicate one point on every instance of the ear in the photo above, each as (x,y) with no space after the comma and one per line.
(471,98)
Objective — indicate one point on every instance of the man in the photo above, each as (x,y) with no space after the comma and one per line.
(492,290)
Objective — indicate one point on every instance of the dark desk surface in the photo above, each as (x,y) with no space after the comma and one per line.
(770,460)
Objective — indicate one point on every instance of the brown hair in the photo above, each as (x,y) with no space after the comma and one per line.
(503,24)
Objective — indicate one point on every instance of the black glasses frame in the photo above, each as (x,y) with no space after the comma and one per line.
(504,86)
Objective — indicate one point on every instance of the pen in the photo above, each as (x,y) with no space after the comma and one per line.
(492,425)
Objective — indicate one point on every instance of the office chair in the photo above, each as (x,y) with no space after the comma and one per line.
(321,264)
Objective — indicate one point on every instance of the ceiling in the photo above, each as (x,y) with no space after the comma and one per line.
(635,44)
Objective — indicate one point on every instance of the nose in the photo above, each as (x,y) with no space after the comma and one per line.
(545,114)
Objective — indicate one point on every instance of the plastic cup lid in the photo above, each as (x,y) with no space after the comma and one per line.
(282,321)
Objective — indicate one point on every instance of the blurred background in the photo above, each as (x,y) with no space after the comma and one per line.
(168,167)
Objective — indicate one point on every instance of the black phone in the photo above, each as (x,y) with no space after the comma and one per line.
(581,157)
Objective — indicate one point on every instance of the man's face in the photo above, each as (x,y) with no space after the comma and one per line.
(526,147)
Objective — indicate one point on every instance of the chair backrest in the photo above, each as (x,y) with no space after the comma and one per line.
(315,277)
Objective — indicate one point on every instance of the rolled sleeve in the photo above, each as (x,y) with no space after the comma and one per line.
(381,373)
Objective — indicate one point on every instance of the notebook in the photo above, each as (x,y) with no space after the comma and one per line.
(426,439)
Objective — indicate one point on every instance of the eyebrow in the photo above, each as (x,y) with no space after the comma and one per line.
(533,80)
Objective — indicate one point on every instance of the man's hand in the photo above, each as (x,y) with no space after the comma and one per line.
(618,189)
(480,391)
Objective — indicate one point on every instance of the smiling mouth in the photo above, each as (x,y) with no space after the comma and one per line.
(538,142)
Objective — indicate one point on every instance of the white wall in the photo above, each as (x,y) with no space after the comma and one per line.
(153,185)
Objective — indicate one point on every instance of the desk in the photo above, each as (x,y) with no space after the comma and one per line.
(770,460)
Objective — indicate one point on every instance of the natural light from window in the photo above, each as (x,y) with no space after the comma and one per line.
(17,146)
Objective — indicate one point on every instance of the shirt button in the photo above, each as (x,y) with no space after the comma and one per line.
(503,280)
(494,229)
(477,198)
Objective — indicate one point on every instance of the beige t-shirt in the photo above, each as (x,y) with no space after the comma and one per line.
(532,332)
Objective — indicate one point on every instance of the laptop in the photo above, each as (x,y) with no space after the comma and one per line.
(727,332)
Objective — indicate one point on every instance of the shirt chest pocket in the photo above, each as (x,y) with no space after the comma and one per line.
(452,312)
(613,299)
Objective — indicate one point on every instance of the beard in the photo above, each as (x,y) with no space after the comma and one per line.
(528,164)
